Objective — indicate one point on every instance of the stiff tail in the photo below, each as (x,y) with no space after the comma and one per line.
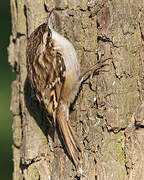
(69,138)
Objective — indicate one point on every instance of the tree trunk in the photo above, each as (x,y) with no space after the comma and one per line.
(108,117)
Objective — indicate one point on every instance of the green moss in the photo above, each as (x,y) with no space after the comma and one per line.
(120,152)
(33,173)
(114,155)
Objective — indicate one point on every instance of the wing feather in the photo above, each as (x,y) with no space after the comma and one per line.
(46,70)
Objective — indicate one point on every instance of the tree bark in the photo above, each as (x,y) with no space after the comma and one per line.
(108,117)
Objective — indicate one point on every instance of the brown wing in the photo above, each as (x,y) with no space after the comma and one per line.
(46,69)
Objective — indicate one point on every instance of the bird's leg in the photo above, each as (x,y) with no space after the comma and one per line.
(93,68)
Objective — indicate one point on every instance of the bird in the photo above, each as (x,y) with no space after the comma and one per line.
(54,74)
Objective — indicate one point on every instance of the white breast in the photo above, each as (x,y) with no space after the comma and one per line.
(69,53)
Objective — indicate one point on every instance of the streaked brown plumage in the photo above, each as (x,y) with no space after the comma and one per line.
(54,74)
(46,69)
(54,82)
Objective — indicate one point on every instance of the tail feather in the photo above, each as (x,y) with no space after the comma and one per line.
(69,138)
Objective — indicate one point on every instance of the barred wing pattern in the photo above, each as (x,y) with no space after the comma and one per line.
(46,69)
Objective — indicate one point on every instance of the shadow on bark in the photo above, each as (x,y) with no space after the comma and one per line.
(43,120)
(36,110)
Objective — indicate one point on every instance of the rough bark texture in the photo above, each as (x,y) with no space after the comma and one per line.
(109,119)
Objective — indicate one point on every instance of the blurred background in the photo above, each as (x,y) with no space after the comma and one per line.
(6,78)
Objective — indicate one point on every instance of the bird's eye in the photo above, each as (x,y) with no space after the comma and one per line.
(48,35)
